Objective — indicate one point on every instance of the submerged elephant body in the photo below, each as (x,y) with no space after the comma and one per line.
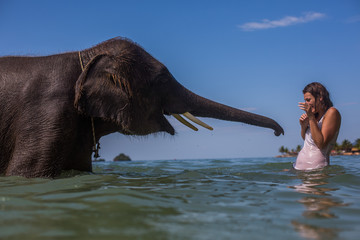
(47,105)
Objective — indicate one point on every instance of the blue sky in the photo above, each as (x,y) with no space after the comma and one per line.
(253,55)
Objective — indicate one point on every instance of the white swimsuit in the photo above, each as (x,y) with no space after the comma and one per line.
(311,157)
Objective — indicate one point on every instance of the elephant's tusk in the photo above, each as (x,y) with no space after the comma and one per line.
(197,121)
(183,121)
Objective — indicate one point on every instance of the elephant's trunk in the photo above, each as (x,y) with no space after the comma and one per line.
(206,108)
(203,107)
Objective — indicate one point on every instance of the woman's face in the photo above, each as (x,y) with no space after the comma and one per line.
(312,102)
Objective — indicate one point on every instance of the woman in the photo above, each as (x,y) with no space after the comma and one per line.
(320,125)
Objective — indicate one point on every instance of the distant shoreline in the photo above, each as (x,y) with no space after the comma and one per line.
(332,154)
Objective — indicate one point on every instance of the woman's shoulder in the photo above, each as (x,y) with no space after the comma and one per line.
(332,110)
(333,113)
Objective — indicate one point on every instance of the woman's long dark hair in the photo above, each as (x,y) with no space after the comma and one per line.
(319,91)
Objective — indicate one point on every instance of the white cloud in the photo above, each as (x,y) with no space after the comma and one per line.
(284,22)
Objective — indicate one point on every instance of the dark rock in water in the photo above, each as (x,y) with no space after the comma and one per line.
(122,157)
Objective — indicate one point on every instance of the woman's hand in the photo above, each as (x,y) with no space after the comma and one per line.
(308,108)
(304,121)
(304,118)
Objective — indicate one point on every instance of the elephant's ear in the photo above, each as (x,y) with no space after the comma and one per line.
(100,91)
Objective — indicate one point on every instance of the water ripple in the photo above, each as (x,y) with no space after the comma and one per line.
(190,199)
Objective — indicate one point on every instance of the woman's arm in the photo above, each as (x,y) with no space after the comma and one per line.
(330,126)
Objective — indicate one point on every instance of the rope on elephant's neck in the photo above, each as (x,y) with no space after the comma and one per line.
(96,146)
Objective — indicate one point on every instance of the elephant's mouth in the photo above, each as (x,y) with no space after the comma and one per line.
(191,118)
(161,124)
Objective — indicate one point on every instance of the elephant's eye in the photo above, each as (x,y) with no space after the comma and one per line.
(159,79)
(163,79)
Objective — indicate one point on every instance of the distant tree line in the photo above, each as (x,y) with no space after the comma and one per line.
(345,146)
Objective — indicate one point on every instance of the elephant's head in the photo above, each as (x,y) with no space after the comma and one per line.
(123,84)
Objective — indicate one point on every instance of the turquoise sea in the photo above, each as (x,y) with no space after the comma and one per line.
(244,198)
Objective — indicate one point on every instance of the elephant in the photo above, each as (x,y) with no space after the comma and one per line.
(54,109)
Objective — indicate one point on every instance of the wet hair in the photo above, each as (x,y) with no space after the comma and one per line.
(319,91)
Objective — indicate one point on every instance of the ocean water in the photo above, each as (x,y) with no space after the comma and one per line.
(245,198)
